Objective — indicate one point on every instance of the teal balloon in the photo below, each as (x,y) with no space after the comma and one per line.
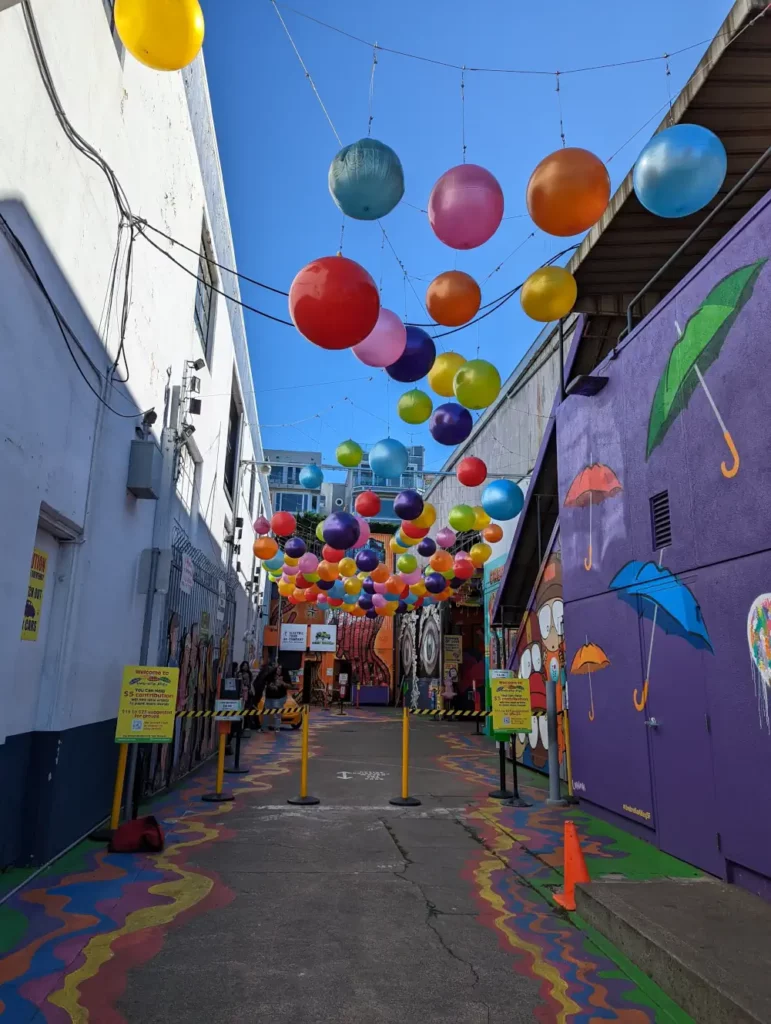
(388,458)
(366,180)
(680,170)
(276,562)
(311,477)
(502,500)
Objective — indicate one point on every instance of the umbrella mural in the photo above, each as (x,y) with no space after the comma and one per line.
(698,347)
(759,641)
(593,485)
(589,658)
(657,594)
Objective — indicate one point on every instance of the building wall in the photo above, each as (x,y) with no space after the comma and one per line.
(64,457)
(688,763)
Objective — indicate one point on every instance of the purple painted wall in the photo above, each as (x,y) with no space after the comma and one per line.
(699,776)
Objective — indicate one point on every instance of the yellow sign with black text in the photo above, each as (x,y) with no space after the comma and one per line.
(30,624)
(511,702)
(148,700)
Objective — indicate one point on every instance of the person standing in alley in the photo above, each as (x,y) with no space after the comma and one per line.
(275,696)
(258,688)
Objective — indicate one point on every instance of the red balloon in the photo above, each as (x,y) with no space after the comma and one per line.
(414,532)
(336,602)
(367,504)
(334,302)
(463,568)
(301,582)
(471,472)
(283,524)
(331,554)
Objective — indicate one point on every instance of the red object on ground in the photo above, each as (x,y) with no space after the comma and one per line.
(331,554)
(334,302)
(283,524)
(471,472)
(141,835)
(368,504)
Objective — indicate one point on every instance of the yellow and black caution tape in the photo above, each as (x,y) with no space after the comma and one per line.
(292,710)
(449,714)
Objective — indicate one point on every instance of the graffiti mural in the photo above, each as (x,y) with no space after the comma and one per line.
(367,644)
(759,641)
(589,658)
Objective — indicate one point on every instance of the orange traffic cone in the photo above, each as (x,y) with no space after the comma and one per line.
(575,868)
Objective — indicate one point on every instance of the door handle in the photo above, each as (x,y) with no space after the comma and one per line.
(652,723)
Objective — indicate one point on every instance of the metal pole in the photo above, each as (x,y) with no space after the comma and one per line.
(502,793)
(517,800)
(237,769)
(405,800)
(147,623)
(562,360)
(554,754)
(303,800)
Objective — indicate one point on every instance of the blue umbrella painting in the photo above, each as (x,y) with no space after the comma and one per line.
(657,594)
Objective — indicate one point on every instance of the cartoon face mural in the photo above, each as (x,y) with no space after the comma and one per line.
(533,748)
(759,640)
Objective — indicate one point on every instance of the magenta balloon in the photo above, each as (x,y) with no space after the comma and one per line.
(321,599)
(446,537)
(379,601)
(291,570)
(410,577)
(364,532)
(261,525)
(380,588)
(308,563)
(465,207)
(385,343)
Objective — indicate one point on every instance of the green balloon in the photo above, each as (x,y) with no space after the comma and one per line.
(320,531)
(406,563)
(476,384)
(462,518)
(415,406)
(349,454)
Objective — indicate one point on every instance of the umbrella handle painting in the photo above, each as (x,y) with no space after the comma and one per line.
(588,560)
(640,704)
(730,471)
(759,641)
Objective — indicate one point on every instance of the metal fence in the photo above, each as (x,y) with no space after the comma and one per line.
(197,637)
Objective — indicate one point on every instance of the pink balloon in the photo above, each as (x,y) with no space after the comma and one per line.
(446,537)
(321,599)
(308,562)
(385,343)
(410,577)
(363,532)
(291,570)
(380,588)
(462,554)
(261,525)
(465,207)
(378,601)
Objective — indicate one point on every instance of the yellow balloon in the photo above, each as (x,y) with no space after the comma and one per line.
(418,589)
(347,567)
(442,373)
(480,553)
(396,547)
(549,294)
(427,517)
(481,518)
(406,542)
(290,561)
(166,35)
(285,589)
(352,586)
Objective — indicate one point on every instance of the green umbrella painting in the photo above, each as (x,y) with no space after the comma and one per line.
(698,347)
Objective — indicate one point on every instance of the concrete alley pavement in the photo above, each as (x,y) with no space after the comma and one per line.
(351,911)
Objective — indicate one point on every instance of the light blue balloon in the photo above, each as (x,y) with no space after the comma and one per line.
(391,597)
(680,170)
(338,589)
(502,499)
(276,562)
(410,598)
(366,179)
(388,458)
(311,477)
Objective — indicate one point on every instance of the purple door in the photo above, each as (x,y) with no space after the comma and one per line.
(681,750)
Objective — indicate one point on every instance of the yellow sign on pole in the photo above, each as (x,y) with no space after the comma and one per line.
(30,624)
(511,702)
(148,699)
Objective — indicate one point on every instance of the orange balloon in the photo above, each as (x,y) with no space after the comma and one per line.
(568,192)
(380,574)
(453,298)
(394,585)
(492,533)
(264,548)
(441,561)
(328,571)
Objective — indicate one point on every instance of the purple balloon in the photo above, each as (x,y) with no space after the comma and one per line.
(368,586)
(367,560)
(408,505)
(401,607)
(446,537)
(450,423)
(465,207)
(371,613)
(416,360)
(325,584)
(295,547)
(455,582)
(435,583)
(341,530)
(365,601)
(427,547)
(385,344)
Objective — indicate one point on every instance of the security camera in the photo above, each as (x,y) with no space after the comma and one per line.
(197,364)
(187,430)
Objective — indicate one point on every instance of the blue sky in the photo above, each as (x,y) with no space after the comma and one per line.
(276,146)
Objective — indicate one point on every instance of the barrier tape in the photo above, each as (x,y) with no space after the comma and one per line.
(450,714)
(238,714)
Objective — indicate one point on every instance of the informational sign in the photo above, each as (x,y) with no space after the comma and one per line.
(511,702)
(221,601)
(187,577)
(30,624)
(293,637)
(324,638)
(453,649)
(222,706)
(148,698)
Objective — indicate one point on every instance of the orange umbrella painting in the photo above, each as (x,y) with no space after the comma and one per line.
(593,485)
(589,658)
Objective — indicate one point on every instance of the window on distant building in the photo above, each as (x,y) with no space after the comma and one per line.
(276,476)
(292,475)
(204,295)
(233,445)
(289,502)
(109,10)
(386,510)
(187,479)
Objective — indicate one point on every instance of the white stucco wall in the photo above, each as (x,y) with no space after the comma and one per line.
(60,205)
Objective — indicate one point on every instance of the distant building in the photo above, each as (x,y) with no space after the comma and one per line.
(287,494)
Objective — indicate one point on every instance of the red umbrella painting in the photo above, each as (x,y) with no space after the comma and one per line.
(593,485)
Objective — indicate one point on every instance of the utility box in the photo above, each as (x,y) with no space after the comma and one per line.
(145,470)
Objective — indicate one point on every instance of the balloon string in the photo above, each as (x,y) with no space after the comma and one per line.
(668,76)
(463,112)
(372,90)
(559,106)
(342,233)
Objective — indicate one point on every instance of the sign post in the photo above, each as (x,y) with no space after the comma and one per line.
(224,710)
(511,713)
